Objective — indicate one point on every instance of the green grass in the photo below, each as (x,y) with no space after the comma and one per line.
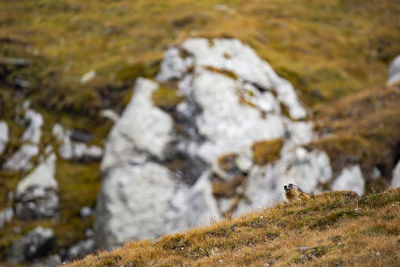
(331,228)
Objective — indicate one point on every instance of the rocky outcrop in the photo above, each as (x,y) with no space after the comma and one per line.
(165,166)
(75,150)
(3,136)
(142,132)
(394,72)
(81,249)
(351,178)
(35,244)
(35,122)
(20,160)
(158,164)
(36,195)
(6,216)
(309,170)
(396,176)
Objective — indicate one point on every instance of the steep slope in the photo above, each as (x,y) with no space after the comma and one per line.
(332,229)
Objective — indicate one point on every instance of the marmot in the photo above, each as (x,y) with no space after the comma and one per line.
(293,193)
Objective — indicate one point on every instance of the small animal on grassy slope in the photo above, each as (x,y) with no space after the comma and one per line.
(293,193)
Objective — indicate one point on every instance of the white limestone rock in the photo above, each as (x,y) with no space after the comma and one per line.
(74,151)
(35,123)
(396,176)
(81,249)
(232,55)
(265,184)
(192,207)
(6,216)
(109,114)
(36,194)
(21,159)
(132,203)
(228,125)
(394,71)
(142,130)
(4,138)
(219,114)
(173,65)
(143,201)
(33,245)
(88,76)
(351,178)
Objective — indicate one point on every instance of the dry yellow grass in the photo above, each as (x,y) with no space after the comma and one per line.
(332,229)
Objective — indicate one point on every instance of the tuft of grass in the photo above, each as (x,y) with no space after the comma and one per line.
(354,231)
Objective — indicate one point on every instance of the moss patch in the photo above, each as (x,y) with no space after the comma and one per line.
(265,152)
(166,97)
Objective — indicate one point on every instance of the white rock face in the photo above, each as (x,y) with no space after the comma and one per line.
(81,249)
(396,176)
(6,216)
(3,136)
(34,245)
(394,71)
(41,176)
(351,178)
(36,194)
(34,132)
(133,202)
(232,55)
(158,164)
(191,207)
(141,198)
(20,160)
(265,184)
(142,130)
(109,114)
(228,125)
(75,151)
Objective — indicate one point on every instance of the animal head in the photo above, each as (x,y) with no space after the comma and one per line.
(289,187)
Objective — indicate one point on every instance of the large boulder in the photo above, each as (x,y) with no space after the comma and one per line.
(36,194)
(35,244)
(141,198)
(170,167)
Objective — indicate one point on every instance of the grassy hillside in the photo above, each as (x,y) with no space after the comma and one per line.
(332,229)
